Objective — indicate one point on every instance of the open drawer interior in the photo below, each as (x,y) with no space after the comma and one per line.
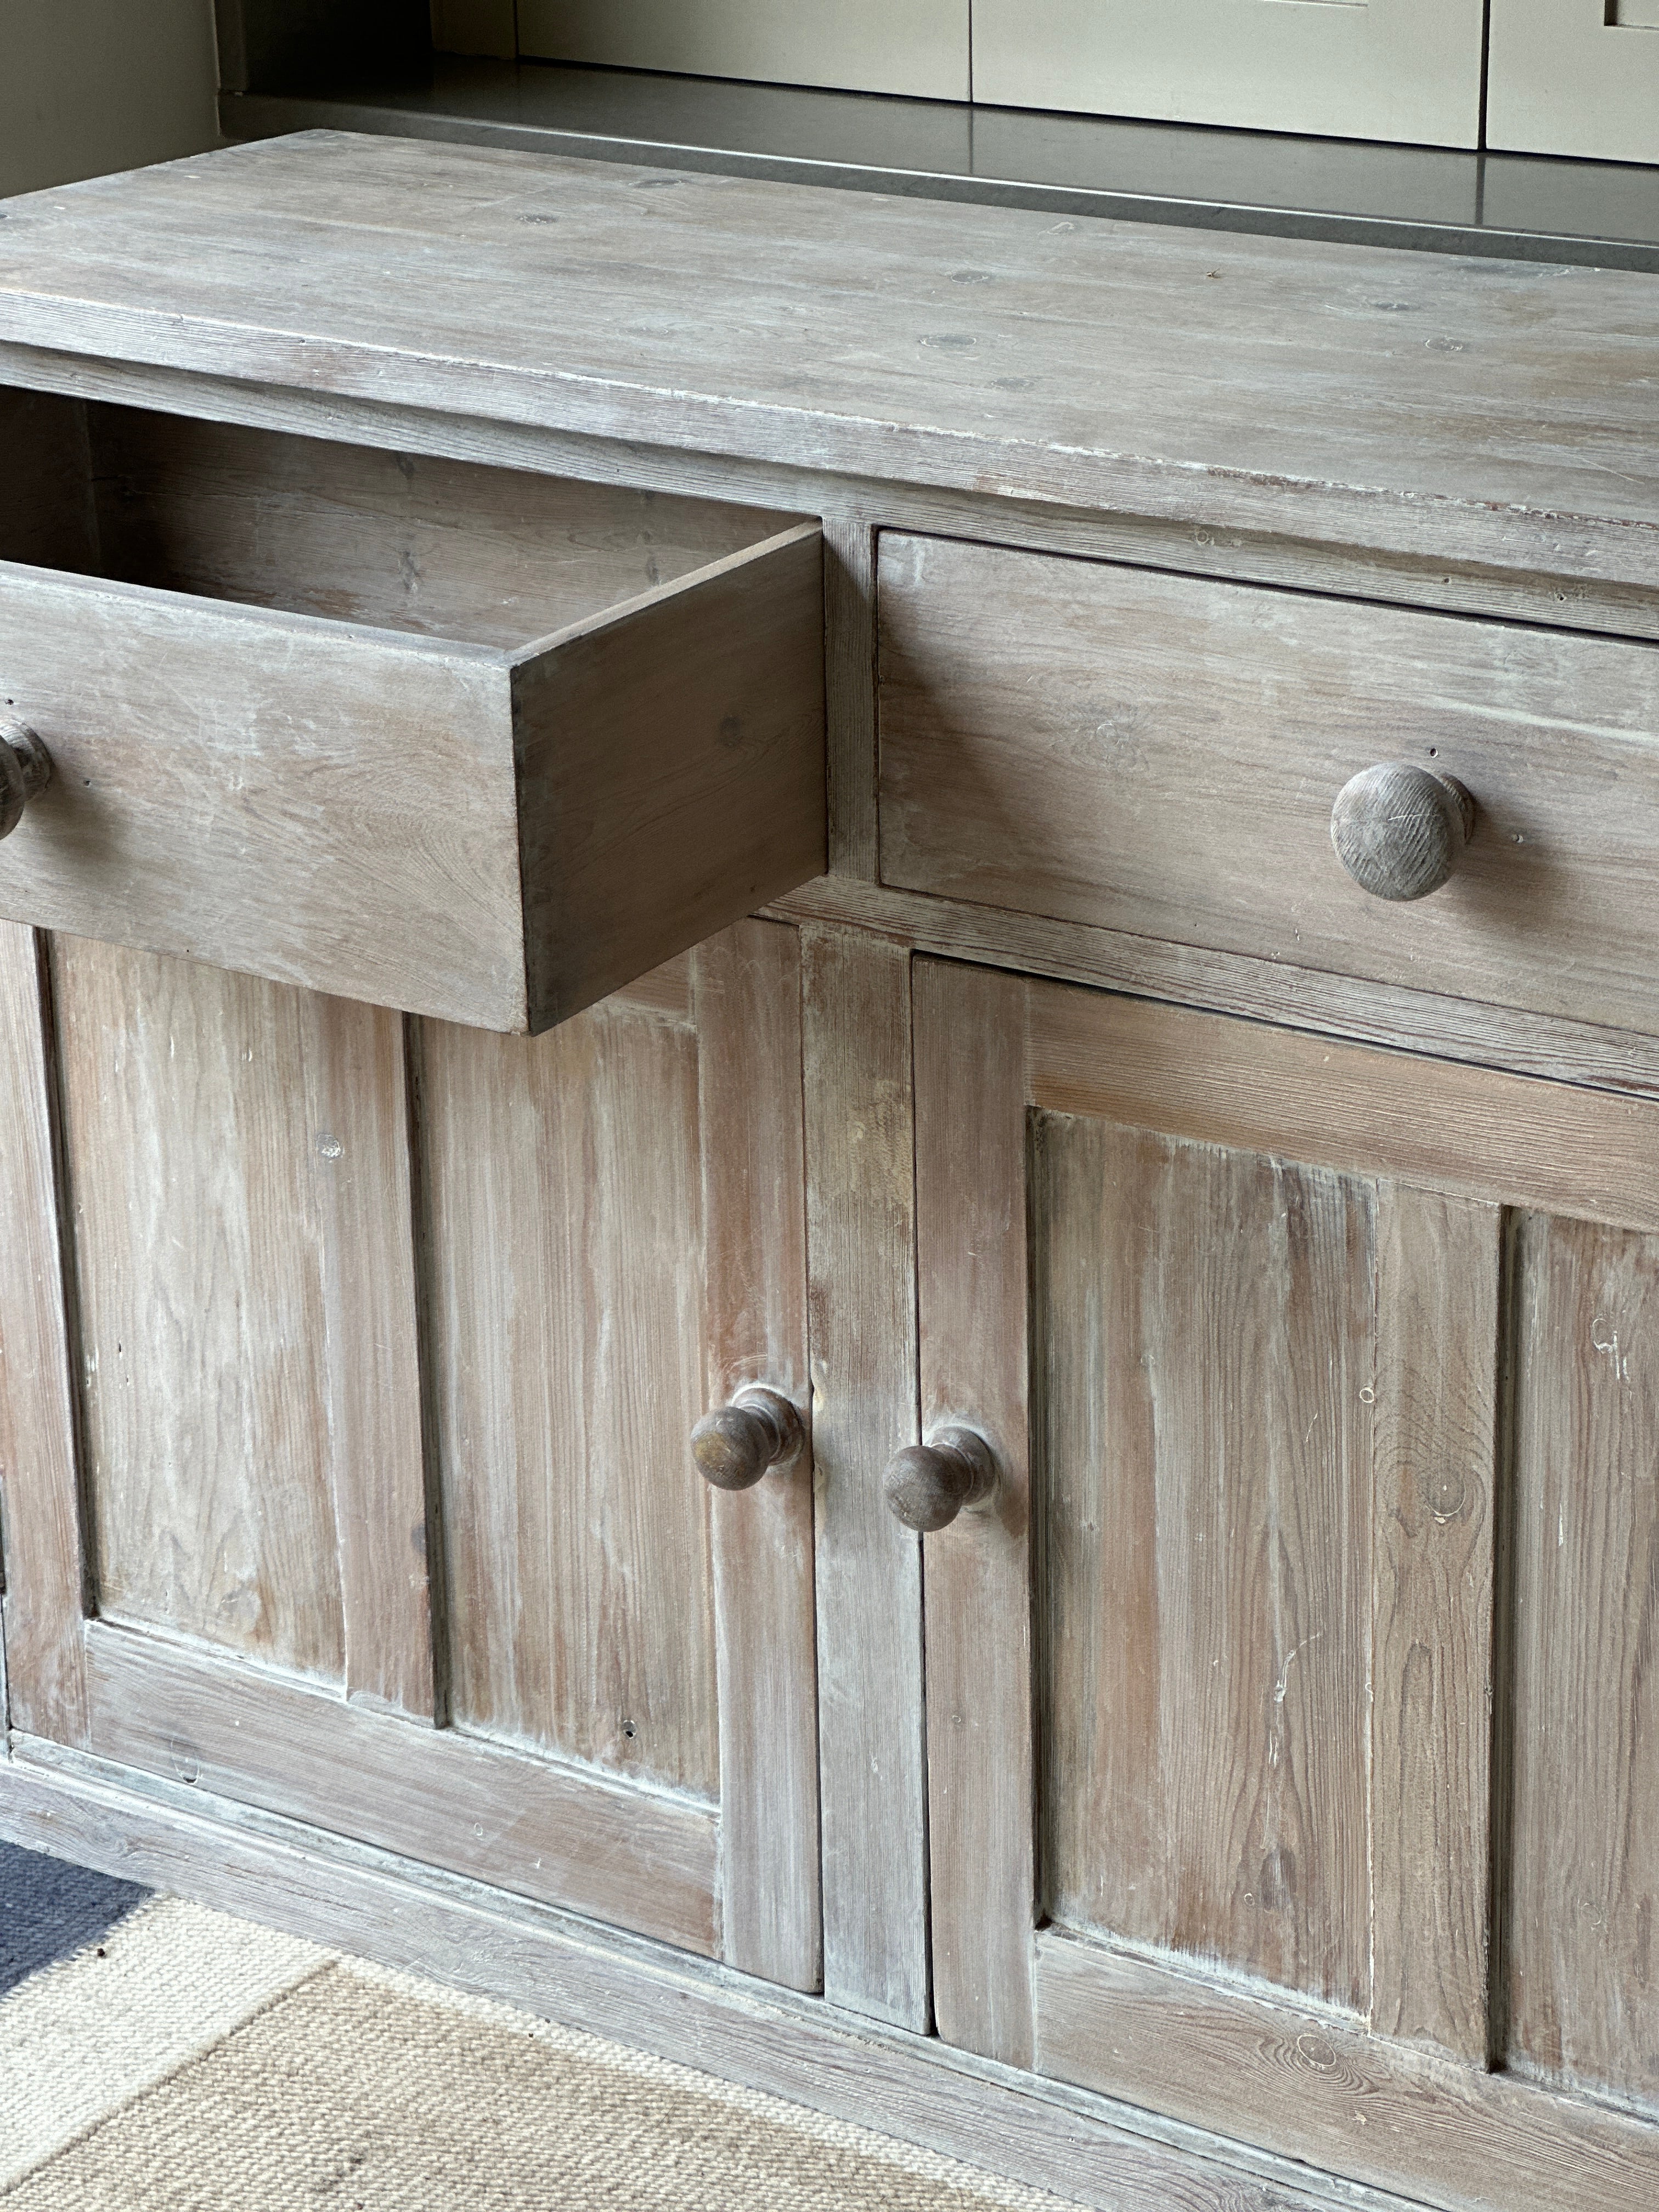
(468,740)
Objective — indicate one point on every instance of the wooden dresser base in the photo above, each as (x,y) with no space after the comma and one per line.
(1085,2149)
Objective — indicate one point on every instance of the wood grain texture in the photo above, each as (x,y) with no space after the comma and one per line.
(191,1170)
(1322,2090)
(747,1002)
(1554,590)
(1351,394)
(395,540)
(1043,2133)
(861,1232)
(1431,1671)
(41,1528)
(1468,1131)
(646,1860)
(849,674)
(1399,828)
(1161,756)
(307,802)
(357,1117)
(564,1244)
(1264,990)
(969,1029)
(47,513)
(1205,1328)
(670,770)
(1584,1880)
(387,660)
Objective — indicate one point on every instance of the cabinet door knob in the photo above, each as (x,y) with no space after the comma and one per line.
(1399,828)
(735,1444)
(928,1485)
(25,772)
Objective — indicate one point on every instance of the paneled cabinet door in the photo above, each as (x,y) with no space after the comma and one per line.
(349,1367)
(918,47)
(1575,77)
(1292,1733)
(1404,70)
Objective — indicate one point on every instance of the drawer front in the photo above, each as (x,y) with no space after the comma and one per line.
(465,741)
(1160,755)
(300,799)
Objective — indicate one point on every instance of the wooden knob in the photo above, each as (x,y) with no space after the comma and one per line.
(25,772)
(735,1444)
(928,1485)
(1399,828)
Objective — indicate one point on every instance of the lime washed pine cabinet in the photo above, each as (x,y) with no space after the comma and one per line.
(830,1164)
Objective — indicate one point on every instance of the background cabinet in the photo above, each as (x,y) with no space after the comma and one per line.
(1384,68)
(919,47)
(1575,77)
(349,1366)
(1291,1758)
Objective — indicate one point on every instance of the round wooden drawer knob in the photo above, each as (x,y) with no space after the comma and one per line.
(25,772)
(735,1444)
(1399,828)
(928,1485)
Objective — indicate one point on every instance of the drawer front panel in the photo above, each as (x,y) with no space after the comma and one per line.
(308,802)
(1159,754)
(462,741)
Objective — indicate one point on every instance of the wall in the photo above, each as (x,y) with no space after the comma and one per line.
(87,86)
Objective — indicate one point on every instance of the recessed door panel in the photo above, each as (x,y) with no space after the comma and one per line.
(349,1365)
(1206,1322)
(1406,69)
(1575,77)
(1291,1769)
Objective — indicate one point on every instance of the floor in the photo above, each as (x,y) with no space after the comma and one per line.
(157,2057)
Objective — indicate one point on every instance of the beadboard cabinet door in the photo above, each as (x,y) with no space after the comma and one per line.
(1400,69)
(349,1365)
(1575,77)
(1292,1743)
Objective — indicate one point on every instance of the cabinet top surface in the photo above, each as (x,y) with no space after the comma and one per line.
(1475,409)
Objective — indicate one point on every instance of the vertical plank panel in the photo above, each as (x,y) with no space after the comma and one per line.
(564,1261)
(971,1244)
(850,676)
(1431,1623)
(204,1397)
(746,997)
(1205,1322)
(860,1251)
(1583,1996)
(40,1501)
(357,1112)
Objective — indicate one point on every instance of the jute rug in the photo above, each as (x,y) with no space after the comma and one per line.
(188,2063)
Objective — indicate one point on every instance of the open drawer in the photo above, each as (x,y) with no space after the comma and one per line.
(465,740)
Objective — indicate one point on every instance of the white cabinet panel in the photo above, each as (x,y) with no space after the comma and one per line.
(1575,77)
(1406,69)
(918,47)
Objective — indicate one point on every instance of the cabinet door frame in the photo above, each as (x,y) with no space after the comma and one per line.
(1450,1144)
(738,1880)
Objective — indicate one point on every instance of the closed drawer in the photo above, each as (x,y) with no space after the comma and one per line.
(475,743)
(1160,755)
